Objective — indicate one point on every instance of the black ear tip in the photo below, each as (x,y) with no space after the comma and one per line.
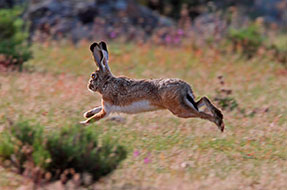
(103,45)
(92,47)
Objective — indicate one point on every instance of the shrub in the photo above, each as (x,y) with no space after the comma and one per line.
(14,50)
(226,103)
(224,97)
(249,39)
(278,48)
(279,55)
(60,154)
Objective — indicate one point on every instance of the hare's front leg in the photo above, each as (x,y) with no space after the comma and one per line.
(92,112)
(102,114)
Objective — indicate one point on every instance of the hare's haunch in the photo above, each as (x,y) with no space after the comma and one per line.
(122,94)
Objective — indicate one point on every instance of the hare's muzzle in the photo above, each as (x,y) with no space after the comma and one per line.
(91,86)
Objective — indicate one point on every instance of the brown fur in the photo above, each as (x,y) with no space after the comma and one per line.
(121,92)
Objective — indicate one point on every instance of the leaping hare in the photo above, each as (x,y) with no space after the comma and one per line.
(122,94)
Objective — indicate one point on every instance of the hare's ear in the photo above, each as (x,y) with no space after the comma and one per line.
(105,52)
(98,55)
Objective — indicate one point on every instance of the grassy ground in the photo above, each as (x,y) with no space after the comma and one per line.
(165,152)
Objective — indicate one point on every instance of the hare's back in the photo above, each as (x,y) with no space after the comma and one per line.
(154,87)
(173,86)
(123,91)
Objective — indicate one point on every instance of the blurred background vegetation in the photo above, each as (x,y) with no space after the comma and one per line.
(235,52)
(247,25)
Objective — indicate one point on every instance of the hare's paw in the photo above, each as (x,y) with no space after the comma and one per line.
(218,119)
(92,112)
(86,122)
(217,113)
(220,124)
(89,114)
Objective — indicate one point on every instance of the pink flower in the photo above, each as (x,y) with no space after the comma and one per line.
(147,160)
(113,34)
(180,32)
(168,39)
(136,153)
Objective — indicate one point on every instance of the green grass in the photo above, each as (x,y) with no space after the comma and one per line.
(164,152)
(281,42)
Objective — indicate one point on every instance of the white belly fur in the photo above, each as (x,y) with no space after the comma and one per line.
(135,107)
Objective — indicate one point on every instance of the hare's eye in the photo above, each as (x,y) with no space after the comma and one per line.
(93,76)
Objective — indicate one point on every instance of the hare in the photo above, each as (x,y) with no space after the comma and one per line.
(122,94)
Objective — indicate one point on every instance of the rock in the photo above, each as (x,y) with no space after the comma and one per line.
(210,25)
(86,12)
(85,20)
(10,3)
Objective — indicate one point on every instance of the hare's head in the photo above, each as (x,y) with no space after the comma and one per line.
(103,72)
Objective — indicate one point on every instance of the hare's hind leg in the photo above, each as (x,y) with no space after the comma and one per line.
(218,117)
(92,112)
(190,112)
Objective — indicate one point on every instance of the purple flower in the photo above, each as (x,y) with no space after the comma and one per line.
(180,32)
(147,160)
(112,34)
(136,153)
(168,39)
